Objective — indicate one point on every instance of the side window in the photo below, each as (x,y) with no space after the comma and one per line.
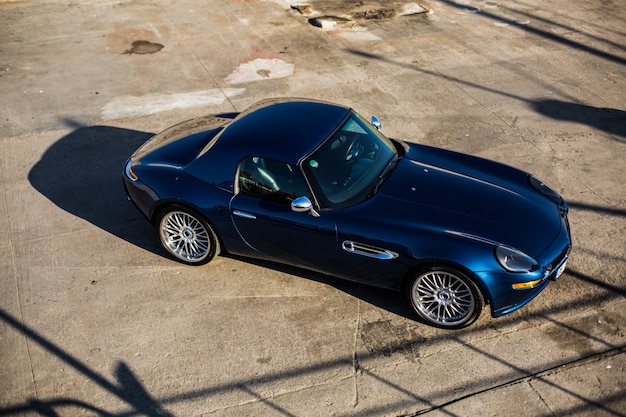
(271,180)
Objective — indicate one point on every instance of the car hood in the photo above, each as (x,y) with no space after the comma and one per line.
(471,197)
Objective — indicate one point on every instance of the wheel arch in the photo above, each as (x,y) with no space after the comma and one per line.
(160,206)
(431,263)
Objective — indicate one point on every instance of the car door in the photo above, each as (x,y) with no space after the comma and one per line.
(369,251)
(262,215)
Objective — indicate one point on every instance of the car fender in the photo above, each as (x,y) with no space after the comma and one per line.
(211,202)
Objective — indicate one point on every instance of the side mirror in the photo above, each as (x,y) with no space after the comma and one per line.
(303,205)
(376,122)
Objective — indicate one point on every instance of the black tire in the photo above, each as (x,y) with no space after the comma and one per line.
(186,236)
(444,297)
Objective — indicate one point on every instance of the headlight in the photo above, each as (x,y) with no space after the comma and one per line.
(515,261)
(544,189)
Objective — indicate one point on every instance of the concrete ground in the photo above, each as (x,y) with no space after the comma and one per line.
(95,320)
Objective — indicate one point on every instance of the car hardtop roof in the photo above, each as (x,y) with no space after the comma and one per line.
(284,129)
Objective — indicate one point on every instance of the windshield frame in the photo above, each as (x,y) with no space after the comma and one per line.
(329,168)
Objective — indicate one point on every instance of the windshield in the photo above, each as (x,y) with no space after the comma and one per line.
(350,164)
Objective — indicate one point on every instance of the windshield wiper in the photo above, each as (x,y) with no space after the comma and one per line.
(384,174)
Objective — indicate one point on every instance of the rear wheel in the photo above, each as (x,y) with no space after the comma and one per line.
(445,297)
(186,236)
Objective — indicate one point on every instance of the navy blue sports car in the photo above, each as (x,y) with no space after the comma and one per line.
(315,185)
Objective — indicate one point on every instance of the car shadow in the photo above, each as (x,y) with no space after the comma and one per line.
(82,174)
(386,299)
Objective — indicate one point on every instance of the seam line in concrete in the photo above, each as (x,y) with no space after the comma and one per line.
(621,350)
(543,401)
(355,357)
(18,299)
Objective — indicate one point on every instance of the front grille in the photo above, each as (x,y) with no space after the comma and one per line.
(554,266)
(563,256)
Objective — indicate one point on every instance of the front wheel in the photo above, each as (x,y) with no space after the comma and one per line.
(445,297)
(186,236)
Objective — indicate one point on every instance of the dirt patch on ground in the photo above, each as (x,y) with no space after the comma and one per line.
(324,13)
(386,338)
(143,48)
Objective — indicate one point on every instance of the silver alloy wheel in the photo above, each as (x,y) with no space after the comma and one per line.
(443,298)
(185,237)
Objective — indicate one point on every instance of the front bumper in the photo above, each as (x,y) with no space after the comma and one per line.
(137,192)
(505,299)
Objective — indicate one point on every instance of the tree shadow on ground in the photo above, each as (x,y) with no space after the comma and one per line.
(127,386)
(612,121)
(82,174)
(589,47)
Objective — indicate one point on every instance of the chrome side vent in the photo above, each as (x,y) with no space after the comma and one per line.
(367,250)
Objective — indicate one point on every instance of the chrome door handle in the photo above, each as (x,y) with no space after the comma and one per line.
(243,214)
(367,250)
